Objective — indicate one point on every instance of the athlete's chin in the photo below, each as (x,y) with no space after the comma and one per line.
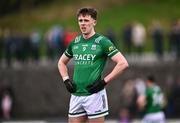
(84,33)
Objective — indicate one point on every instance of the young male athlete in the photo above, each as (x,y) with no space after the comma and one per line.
(90,51)
(152,102)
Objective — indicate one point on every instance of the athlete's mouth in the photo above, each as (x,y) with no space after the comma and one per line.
(83,27)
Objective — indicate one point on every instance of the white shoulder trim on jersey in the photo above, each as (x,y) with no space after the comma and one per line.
(97,40)
(77,39)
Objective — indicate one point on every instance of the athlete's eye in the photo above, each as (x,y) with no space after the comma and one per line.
(80,20)
(86,20)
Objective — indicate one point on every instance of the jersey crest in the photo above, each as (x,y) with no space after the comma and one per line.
(93,47)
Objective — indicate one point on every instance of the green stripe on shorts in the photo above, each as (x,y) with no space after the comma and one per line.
(98,113)
(77,113)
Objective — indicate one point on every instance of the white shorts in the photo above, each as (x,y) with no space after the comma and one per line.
(158,117)
(93,106)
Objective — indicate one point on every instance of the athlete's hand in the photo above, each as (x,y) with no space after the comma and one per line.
(96,86)
(70,86)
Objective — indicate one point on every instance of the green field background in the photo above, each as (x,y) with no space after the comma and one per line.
(112,13)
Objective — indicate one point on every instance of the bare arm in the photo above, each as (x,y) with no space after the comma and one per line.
(121,65)
(62,66)
(141,102)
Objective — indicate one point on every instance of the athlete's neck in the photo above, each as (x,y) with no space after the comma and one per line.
(87,36)
(150,84)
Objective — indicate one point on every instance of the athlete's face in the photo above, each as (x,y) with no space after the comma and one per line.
(86,24)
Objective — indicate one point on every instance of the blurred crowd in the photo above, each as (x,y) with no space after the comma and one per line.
(25,47)
(135,36)
(32,46)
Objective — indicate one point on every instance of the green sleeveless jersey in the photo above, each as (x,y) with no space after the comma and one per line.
(154,98)
(89,59)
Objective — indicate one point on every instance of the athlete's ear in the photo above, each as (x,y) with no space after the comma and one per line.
(94,22)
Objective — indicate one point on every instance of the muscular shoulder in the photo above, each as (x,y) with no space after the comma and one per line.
(107,46)
(100,39)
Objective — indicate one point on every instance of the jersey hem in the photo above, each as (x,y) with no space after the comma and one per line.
(85,94)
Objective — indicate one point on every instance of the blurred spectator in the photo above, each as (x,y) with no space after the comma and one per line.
(49,44)
(6,99)
(169,83)
(138,37)
(54,41)
(57,37)
(129,96)
(14,47)
(157,36)
(169,86)
(178,41)
(1,45)
(174,100)
(139,86)
(35,39)
(128,92)
(124,116)
(68,37)
(26,47)
(9,46)
(174,38)
(20,49)
(110,34)
(6,105)
(127,37)
(1,93)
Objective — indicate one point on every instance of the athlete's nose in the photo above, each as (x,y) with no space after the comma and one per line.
(83,22)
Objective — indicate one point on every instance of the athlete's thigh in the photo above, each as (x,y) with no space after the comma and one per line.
(97,120)
(80,119)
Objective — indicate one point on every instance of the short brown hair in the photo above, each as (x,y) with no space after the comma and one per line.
(151,78)
(88,11)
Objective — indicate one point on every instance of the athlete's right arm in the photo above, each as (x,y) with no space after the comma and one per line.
(62,66)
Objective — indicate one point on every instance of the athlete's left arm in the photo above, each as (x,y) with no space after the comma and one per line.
(121,65)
